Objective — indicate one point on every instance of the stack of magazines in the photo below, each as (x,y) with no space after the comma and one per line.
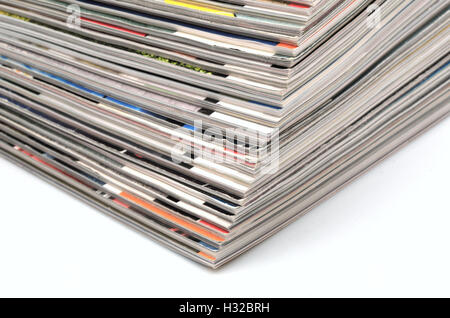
(211,125)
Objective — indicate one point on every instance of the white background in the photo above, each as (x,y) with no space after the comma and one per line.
(387,234)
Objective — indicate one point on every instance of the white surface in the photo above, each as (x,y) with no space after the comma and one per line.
(387,234)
